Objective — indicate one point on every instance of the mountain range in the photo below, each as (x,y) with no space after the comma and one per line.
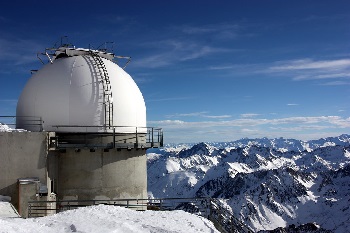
(266,183)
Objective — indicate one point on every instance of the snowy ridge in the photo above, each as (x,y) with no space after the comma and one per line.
(268,183)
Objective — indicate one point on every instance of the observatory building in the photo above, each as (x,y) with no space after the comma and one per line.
(85,134)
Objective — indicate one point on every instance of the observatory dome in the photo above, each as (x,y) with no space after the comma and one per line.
(80,88)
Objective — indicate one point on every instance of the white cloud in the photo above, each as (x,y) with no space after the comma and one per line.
(323,76)
(169,99)
(309,69)
(218,116)
(298,70)
(153,61)
(240,69)
(198,114)
(249,115)
(186,114)
(166,58)
(221,31)
(305,64)
(336,83)
(168,122)
(205,50)
(169,52)
(19,51)
(292,104)
(225,67)
(225,130)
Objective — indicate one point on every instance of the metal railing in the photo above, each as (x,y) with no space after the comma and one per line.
(51,53)
(127,137)
(77,136)
(210,208)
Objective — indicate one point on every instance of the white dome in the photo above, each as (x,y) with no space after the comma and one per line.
(69,92)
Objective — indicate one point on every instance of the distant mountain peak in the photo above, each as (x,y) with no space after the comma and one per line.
(199,149)
(268,183)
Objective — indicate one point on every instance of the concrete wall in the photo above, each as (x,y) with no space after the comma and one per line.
(86,175)
(75,175)
(22,154)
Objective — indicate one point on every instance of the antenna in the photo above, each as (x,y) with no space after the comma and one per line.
(61,43)
(62,37)
(105,49)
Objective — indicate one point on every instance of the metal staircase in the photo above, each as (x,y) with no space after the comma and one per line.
(107,89)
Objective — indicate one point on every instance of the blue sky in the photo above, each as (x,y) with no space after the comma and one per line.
(208,70)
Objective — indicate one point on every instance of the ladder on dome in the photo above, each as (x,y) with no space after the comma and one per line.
(107,89)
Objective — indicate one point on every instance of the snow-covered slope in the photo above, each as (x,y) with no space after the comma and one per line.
(268,183)
(106,219)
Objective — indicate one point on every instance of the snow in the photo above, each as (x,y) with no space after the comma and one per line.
(7,210)
(172,165)
(103,218)
(239,167)
(6,128)
(272,219)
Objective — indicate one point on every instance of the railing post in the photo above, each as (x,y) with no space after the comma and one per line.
(152,143)
(137,141)
(149,135)
(113,137)
(158,136)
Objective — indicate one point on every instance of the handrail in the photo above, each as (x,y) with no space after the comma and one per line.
(152,136)
(127,137)
(99,126)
